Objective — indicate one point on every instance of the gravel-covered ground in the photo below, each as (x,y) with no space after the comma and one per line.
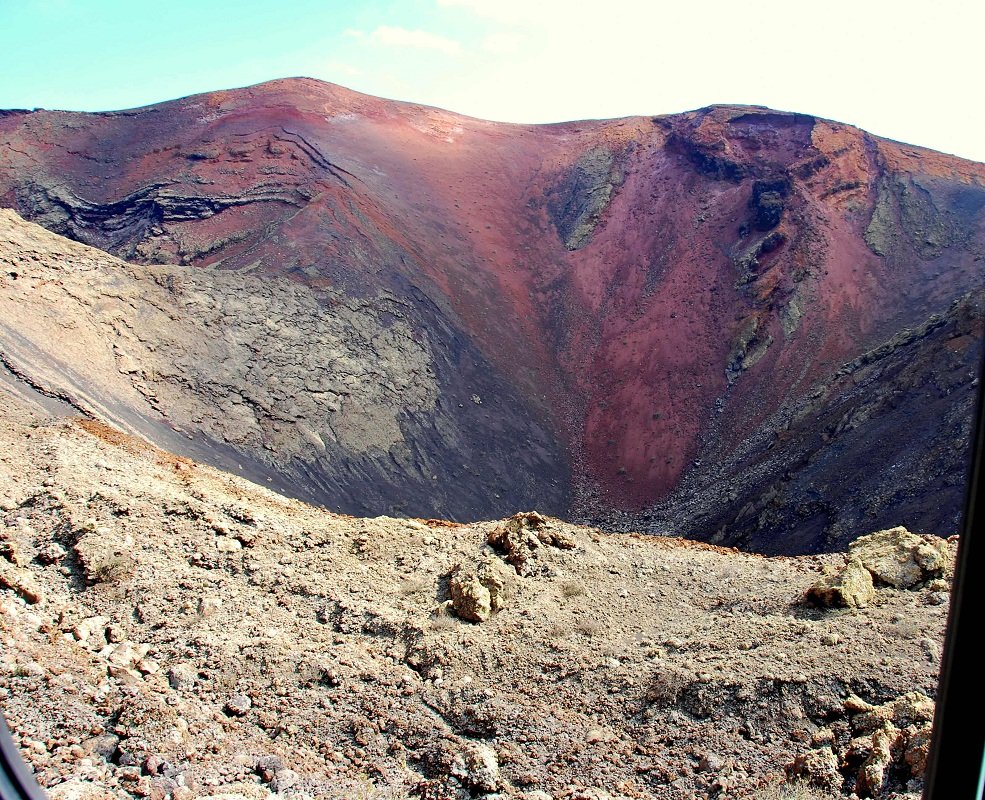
(169,630)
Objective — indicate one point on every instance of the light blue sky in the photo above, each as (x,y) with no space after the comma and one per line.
(900,69)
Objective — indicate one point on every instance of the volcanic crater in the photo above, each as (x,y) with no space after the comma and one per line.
(757,328)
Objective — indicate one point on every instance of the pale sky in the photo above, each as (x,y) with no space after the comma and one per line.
(909,71)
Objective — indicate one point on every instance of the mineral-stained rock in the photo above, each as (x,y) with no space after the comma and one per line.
(819,768)
(850,586)
(901,559)
(21,581)
(495,576)
(872,774)
(522,535)
(477,767)
(470,599)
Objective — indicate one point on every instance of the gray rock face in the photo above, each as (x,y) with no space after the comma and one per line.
(357,403)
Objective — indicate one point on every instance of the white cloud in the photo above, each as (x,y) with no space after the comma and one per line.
(512,12)
(549,60)
(503,43)
(423,40)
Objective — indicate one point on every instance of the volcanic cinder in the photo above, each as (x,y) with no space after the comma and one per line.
(750,326)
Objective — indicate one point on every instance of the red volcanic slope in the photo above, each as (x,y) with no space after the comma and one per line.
(652,287)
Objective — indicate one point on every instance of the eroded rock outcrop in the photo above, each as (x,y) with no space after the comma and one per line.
(883,749)
(521,538)
(893,558)
(901,559)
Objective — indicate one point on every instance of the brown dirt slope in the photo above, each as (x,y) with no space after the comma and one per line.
(172,631)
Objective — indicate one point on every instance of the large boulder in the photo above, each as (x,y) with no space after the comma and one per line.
(851,586)
(901,559)
(478,591)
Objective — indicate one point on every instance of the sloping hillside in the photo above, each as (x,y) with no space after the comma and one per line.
(714,314)
(172,631)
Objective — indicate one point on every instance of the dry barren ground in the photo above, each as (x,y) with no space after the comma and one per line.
(169,630)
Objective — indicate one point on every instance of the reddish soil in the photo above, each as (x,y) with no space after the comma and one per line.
(621,343)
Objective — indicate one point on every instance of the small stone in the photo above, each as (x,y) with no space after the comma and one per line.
(52,553)
(77,789)
(154,764)
(938,598)
(477,768)
(710,762)
(830,639)
(268,766)
(207,606)
(21,581)
(856,705)
(822,737)
(123,674)
(182,676)
(125,653)
(227,544)
(148,666)
(103,745)
(12,553)
(114,633)
(819,768)
(283,779)
(238,705)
